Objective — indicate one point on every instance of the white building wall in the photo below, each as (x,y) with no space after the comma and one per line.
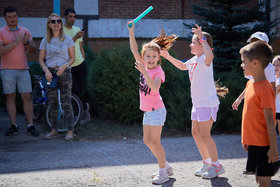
(86,7)
(112,28)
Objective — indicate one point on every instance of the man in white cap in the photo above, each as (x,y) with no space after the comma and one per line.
(269,70)
(258,36)
(270,76)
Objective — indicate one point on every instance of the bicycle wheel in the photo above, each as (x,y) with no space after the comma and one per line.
(77,106)
(77,111)
(38,102)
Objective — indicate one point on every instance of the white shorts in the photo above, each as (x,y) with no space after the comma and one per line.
(155,118)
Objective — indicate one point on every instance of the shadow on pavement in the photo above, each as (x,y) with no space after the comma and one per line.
(220,181)
(170,183)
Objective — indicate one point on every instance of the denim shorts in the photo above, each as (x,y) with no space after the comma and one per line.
(201,114)
(155,117)
(13,78)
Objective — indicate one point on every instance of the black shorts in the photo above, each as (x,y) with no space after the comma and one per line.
(278,116)
(258,161)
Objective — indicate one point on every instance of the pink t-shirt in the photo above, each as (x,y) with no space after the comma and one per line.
(16,58)
(150,100)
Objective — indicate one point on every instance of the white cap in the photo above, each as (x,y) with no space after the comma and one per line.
(259,35)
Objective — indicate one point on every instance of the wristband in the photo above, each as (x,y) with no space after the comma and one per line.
(68,66)
(44,68)
(203,39)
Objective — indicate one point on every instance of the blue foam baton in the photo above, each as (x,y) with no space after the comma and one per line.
(141,16)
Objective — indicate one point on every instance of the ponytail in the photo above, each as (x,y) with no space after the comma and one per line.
(162,42)
(165,42)
(221,91)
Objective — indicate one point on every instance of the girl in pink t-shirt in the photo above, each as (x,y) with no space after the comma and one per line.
(151,102)
(204,99)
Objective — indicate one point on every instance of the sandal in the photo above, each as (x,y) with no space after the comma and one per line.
(51,135)
(69,137)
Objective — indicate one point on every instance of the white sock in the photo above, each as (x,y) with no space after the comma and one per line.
(29,125)
(167,165)
(207,160)
(217,163)
(162,171)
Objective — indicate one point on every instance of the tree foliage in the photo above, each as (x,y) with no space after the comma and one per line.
(231,22)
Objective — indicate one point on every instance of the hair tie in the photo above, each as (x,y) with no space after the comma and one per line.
(212,49)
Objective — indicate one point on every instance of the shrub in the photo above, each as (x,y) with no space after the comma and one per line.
(113,87)
(228,119)
(113,84)
(175,93)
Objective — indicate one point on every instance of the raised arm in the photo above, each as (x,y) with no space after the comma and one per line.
(153,84)
(7,48)
(133,44)
(78,35)
(206,48)
(29,43)
(179,64)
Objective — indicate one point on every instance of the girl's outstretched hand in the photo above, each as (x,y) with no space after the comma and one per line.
(197,31)
(140,67)
(132,27)
(164,54)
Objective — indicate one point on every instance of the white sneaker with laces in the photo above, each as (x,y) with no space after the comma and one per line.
(169,172)
(213,172)
(160,178)
(202,170)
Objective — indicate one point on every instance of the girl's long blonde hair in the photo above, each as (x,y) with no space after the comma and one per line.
(49,30)
(222,91)
(162,42)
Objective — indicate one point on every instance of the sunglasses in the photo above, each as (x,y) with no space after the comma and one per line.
(53,21)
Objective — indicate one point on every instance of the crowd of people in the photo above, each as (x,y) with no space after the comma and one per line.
(62,56)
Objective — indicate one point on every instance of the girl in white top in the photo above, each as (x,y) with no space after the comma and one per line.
(276,63)
(204,99)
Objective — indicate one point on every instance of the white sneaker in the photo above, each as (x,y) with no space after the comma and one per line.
(160,178)
(202,170)
(213,172)
(169,172)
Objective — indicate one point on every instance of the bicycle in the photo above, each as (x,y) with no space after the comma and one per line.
(40,106)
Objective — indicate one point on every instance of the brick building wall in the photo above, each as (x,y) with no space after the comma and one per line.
(163,9)
(34,8)
(109,29)
(125,9)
